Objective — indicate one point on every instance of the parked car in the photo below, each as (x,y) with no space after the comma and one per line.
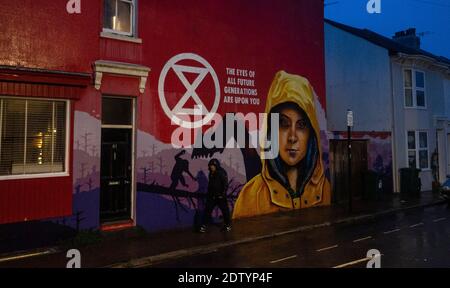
(445,190)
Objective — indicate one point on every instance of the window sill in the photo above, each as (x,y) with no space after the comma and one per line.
(34,176)
(416,108)
(114,36)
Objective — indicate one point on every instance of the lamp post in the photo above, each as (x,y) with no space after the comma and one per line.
(349,157)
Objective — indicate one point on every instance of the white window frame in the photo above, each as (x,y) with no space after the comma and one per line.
(417,149)
(133,21)
(414,89)
(66,171)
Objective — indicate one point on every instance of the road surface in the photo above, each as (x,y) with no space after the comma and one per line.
(413,238)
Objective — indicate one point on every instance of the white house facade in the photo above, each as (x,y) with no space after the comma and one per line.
(400,97)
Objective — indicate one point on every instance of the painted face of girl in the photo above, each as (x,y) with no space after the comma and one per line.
(293,136)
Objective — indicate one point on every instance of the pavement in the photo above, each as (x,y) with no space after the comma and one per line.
(134,248)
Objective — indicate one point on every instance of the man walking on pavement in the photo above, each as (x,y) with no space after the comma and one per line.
(217,195)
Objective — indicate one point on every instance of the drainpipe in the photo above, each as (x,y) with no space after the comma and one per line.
(393,141)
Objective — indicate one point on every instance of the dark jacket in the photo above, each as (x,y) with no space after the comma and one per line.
(218,183)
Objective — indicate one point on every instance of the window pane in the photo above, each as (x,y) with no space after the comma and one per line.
(39,148)
(59,136)
(408,98)
(407,78)
(123,17)
(109,13)
(13,137)
(423,141)
(420,98)
(116,111)
(44,135)
(420,79)
(411,140)
(423,159)
(412,159)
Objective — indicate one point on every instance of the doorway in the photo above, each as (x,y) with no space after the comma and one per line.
(339,168)
(116,171)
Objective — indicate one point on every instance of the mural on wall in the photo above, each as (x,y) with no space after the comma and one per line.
(379,153)
(296,178)
(86,174)
(197,76)
(172,183)
(380,159)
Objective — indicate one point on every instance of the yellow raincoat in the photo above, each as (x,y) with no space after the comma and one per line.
(264,194)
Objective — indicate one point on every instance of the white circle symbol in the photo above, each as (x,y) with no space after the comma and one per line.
(179,109)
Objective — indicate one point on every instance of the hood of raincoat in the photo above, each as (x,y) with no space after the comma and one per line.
(214,162)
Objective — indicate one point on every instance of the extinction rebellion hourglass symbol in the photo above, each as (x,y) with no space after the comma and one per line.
(200,108)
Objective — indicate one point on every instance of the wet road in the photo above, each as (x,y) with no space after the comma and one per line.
(415,238)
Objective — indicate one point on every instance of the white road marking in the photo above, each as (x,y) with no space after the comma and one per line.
(283,259)
(416,225)
(353,262)
(362,239)
(208,251)
(23,256)
(391,231)
(439,219)
(327,248)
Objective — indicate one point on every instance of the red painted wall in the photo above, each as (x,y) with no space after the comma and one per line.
(41,34)
(30,199)
(265,36)
(37,198)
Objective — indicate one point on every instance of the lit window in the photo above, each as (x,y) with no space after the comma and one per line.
(119,16)
(32,136)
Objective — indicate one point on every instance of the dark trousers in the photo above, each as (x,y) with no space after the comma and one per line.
(211,203)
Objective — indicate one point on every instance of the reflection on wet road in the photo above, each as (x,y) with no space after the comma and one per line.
(413,238)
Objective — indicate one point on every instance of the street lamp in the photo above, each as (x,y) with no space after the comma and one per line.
(349,157)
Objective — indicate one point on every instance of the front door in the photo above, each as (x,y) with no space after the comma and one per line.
(339,168)
(116,160)
(115,175)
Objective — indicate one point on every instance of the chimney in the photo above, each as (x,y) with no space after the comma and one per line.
(408,38)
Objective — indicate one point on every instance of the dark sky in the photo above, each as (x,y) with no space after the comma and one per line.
(429,16)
